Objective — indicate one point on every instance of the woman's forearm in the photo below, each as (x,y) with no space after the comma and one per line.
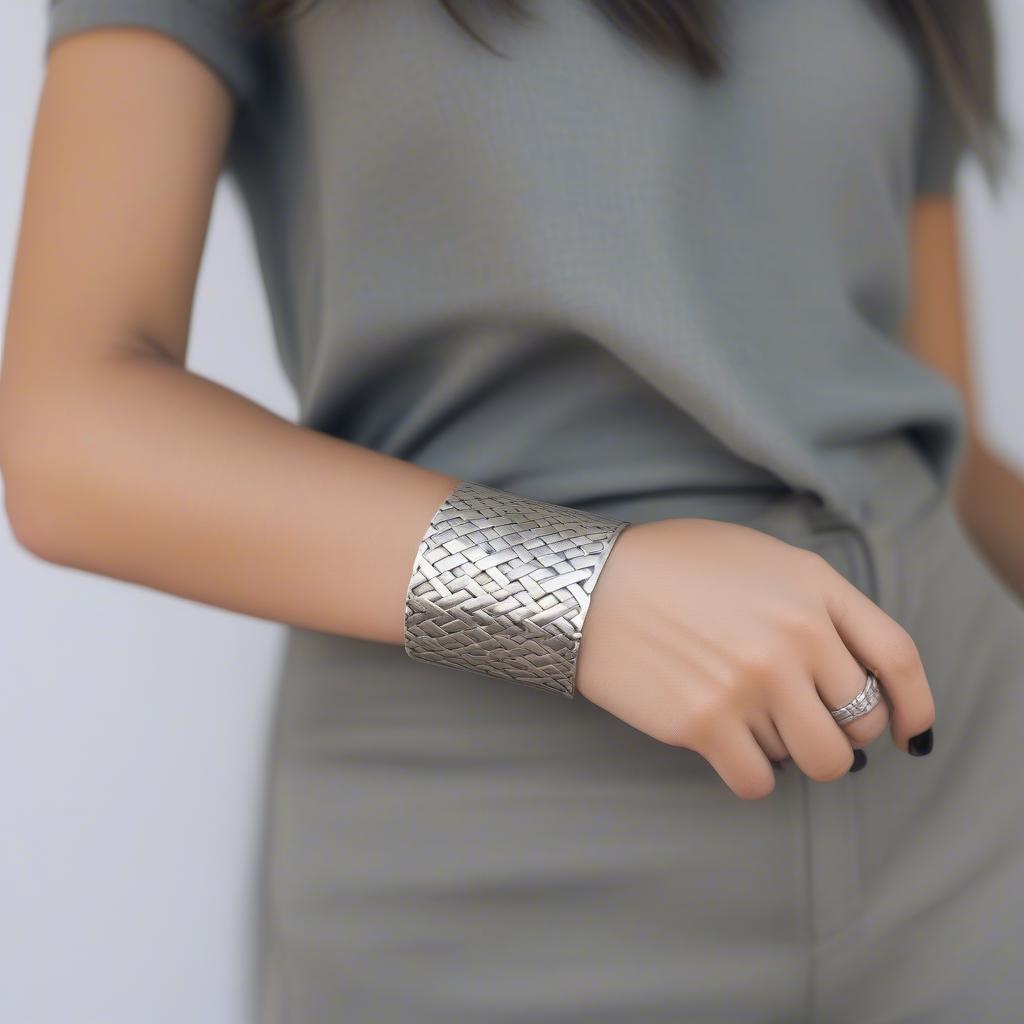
(989,497)
(149,473)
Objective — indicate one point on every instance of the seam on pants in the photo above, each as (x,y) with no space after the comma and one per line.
(810,986)
(834,879)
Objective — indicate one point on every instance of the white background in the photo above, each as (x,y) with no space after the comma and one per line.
(133,724)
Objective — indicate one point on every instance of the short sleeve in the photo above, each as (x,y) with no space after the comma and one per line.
(939,143)
(221,33)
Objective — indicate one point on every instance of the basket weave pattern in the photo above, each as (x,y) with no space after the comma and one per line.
(501,585)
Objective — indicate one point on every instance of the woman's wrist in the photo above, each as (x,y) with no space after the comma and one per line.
(501,585)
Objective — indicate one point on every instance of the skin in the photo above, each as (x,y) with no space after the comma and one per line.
(118,460)
(989,490)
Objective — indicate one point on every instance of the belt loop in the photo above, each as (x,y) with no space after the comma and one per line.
(820,514)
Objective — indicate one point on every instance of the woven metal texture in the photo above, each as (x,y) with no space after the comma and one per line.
(501,585)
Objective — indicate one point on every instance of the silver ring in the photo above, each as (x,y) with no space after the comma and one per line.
(867,699)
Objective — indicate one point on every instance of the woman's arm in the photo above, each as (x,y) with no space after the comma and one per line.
(119,461)
(989,491)
(116,459)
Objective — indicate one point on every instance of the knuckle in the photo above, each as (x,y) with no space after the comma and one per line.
(702,725)
(754,664)
(812,561)
(799,623)
(813,564)
(677,729)
(904,657)
(673,734)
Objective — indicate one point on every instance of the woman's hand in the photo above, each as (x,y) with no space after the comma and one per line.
(724,639)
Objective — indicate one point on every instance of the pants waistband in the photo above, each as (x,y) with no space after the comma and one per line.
(893,525)
(900,511)
(901,490)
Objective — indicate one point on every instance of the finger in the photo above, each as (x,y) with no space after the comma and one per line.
(880,643)
(812,736)
(738,758)
(839,677)
(767,736)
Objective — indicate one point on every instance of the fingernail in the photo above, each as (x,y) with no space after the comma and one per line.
(921,744)
(859,760)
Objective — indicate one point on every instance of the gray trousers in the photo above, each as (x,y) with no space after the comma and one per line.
(443,848)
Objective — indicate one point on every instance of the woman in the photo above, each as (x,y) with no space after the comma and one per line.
(650,262)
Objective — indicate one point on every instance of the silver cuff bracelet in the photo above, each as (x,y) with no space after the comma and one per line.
(501,585)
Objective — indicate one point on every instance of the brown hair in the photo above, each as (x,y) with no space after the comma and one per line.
(955,39)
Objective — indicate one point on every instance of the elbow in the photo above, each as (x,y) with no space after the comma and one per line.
(35,523)
(34,464)
(58,440)
(34,515)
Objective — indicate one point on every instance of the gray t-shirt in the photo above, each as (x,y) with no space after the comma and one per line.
(579,272)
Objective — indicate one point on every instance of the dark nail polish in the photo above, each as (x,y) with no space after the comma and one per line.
(921,744)
(859,760)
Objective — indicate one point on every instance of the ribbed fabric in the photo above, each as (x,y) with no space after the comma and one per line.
(579,273)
